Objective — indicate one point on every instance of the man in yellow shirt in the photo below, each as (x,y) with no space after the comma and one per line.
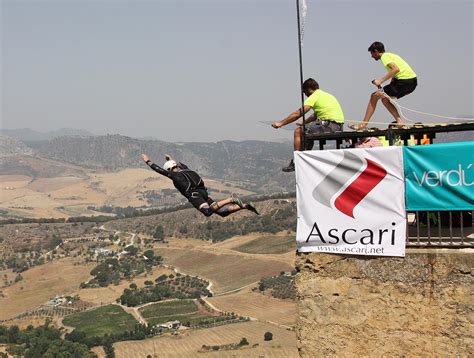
(403,82)
(327,118)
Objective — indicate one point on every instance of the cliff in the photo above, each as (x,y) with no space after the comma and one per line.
(420,305)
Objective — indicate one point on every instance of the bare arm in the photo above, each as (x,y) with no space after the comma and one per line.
(393,71)
(291,117)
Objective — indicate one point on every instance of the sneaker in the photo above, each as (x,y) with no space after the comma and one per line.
(236,200)
(289,168)
(251,206)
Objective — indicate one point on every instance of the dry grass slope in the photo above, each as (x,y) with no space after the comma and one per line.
(227,271)
(262,307)
(187,343)
(40,284)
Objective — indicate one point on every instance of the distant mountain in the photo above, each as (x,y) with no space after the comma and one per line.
(29,135)
(256,163)
(454,137)
(11,146)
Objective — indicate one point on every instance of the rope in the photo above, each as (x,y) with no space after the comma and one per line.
(424,123)
(399,107)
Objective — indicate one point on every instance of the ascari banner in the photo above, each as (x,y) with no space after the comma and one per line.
(351,201)
(440,176)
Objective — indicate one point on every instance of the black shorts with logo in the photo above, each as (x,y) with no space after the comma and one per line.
(199,197)
(399,88)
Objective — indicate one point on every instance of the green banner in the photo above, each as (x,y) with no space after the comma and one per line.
(439,177)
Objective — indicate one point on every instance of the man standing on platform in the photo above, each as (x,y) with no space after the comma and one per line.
(403,82)
(327,118)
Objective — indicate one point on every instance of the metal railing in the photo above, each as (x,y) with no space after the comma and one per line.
(446,229)
(451,229)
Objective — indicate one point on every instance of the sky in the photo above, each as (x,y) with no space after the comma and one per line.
(205,71)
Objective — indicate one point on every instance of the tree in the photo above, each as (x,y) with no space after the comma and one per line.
(149,254)
(162,278)
(268,336)
(243,342)
(131,250)
(159,233)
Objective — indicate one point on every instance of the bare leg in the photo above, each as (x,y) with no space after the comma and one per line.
(231,207)
(297,138)
(374,97)
(393,111)
(219,204)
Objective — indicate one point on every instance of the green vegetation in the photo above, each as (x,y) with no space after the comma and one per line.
(282,286)
(133,213)
(43,341)
(113,270)
(109,319)
(268,245)
(225,347)
(21,262)
(169,308)
(273,221)
(185,311)
(268,336)
(159,233)
(181,287)
(197,319)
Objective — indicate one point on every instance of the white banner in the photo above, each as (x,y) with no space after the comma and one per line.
(351,201)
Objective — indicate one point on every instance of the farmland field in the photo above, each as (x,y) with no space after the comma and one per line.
(253,304)
(41,283)
(169,308)
(182,310)
(187,343)
(71,195)
(227,271)
(274,244)
(109,319)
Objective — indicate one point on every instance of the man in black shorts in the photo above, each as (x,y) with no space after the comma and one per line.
(403,82)
(191,186)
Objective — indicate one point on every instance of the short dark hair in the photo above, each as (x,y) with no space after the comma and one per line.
(310,83)
(377,46)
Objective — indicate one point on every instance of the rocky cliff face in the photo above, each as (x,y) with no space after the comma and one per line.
(420,305)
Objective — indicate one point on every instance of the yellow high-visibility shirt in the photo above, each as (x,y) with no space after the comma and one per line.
(405,73)
(325,106)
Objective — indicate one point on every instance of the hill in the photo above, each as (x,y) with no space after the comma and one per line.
(11,146)
(256,163)
(29,135)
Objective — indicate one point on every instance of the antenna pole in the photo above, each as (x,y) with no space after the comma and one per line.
(301,70)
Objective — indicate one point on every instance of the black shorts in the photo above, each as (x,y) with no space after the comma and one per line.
(399,88)
(199,197)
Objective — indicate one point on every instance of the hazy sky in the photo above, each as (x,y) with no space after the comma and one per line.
(211,70)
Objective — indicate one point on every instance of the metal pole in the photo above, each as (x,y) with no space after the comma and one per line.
(301,69)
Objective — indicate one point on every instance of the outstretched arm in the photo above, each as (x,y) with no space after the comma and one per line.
(153,166)
(291,117)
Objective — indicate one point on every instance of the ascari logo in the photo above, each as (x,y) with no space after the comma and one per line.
(356,191)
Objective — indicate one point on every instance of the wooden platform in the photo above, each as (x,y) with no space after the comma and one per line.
(391,134)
